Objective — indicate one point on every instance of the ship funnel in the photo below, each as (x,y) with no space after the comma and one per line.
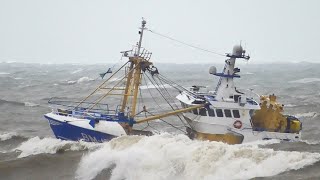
(212,70)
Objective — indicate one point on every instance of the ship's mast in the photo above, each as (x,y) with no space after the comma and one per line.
(226,88)
(143,27)
(138,63)
(134,76)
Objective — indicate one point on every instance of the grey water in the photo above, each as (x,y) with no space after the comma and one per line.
(29,150)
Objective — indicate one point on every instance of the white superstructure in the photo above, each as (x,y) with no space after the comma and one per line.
(228,115)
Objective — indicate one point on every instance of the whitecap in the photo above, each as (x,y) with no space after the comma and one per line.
(4,73)
(260,143)
(9,62)
(31,104)
(151,86)
(81,80)
(84,79)
(71,82)
(17,78)
(290,105)
(311,142)
(114,79)
(248,73)
(308,114)
(305,80)
(76,71)
(7,136)
(37,145)
(167,156)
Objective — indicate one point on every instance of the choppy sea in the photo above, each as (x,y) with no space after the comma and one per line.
(28,149)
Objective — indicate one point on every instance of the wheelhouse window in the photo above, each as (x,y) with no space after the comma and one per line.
(219,112)
(195,111)
(227,113)
(236,113)
(183,105)
(203,112)
(211,112)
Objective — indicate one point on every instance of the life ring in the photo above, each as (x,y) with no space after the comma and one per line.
(237,124)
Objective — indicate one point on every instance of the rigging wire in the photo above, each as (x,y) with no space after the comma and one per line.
(165,98)
(172,82)
(186,44)
(168,94)
(101,98)
(158,131)
(151,93)
(161,93)
(112,67)
(177,106)
(168,123)
(170,98)
(99,87)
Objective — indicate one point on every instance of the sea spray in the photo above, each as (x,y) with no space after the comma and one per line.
(306,80)
(37,145)
(168,156)
(7,135)
(308,114)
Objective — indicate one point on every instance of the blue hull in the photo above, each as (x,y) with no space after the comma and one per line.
(66,131)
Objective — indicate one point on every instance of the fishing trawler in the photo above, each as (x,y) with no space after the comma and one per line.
(234,116)
(97,117)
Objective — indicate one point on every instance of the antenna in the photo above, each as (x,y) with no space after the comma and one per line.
(143,27)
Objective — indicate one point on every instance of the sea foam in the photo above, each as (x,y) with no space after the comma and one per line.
(4,73)
(305,80)
(30,104)
(152,86)
(81,80)
(308,114)
(36,145)
(84,79)
(7,136)
(168,156)
(76,71)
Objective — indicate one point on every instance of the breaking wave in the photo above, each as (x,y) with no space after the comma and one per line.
(114,79)
(36,145)
(4,73)
(84,79)
(2,101)
(17,78)
(7,136)
(290,105)
(81,80)
(248,73)
(308,114)
(72,82)
(31,104)
(305,80)
(168,156)
(151,86)
(16,103)
(76,71)
(311,142)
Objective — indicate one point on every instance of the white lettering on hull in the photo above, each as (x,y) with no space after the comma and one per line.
(88,138)
(54,123)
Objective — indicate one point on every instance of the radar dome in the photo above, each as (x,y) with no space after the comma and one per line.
(237,50)
(212,70)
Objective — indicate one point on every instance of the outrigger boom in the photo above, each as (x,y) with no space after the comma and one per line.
(170,113)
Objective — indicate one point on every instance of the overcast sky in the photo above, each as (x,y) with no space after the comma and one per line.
(84,31)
